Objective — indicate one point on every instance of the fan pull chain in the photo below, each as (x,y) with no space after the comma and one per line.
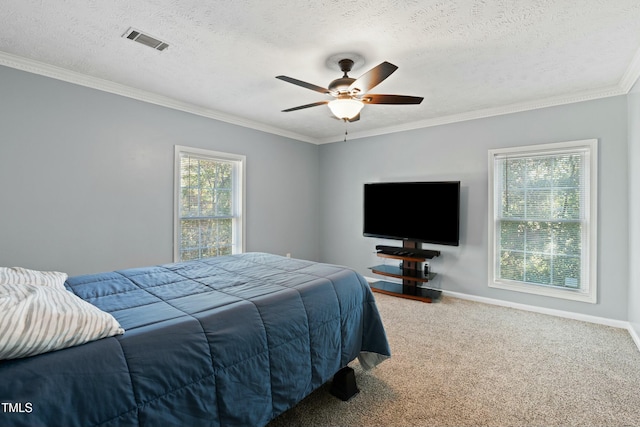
(345,129)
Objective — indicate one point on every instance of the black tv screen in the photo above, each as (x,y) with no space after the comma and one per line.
(427,212)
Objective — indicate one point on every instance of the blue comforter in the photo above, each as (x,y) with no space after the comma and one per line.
(225,341)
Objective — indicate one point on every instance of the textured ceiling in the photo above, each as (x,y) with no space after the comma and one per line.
(467,58)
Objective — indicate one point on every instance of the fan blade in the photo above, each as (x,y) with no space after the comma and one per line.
(373,77)
(315,104)
(303,84)
(391,99)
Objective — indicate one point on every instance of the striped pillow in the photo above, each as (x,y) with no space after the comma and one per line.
(24,276)
(35,319)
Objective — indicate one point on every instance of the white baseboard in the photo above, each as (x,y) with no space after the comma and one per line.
(634,335)
(552,312)
(559,313)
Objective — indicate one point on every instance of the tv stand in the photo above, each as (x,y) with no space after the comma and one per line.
(414,277)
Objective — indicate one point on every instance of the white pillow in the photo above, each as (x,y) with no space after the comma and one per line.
(24,276)
(36,319)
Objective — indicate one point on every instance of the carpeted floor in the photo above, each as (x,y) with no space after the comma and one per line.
(463,363)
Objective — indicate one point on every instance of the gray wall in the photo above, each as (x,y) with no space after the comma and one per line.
(87,179)
(459,152)
(634,209)
(87,185)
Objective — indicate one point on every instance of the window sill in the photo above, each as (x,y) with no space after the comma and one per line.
(569,294)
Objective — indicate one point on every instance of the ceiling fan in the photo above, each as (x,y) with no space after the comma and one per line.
(351,94)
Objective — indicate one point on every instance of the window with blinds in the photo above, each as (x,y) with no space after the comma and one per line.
(208,204)
(542,219)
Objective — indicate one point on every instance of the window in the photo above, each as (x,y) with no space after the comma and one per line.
(209,199)
(542,219)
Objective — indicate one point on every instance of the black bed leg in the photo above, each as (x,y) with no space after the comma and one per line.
(344,384)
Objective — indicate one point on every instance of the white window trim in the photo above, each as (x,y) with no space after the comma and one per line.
(590,243)
(239,180)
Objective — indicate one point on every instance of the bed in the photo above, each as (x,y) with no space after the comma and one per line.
(225,341)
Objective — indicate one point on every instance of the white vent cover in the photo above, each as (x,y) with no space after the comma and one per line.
(145,39)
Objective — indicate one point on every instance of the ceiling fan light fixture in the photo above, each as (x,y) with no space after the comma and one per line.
(351,94)
(345,109)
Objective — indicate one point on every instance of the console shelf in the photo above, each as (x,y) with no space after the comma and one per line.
(410,257)
(407,251)
(415,282)
(402,273)
(397,290)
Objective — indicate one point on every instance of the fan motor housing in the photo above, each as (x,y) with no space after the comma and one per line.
(341,85)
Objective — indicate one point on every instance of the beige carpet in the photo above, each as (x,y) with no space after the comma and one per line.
(463,363)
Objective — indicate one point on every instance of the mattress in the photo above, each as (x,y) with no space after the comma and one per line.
(225,341)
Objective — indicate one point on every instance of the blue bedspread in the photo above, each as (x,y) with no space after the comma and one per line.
(225,341)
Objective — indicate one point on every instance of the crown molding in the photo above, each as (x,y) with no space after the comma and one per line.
(631,76)
(487,112)
(58,73)
(625,84)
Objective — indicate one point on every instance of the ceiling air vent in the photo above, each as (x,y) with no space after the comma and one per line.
(145,39)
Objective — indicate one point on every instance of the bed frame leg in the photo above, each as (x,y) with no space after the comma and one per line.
(344,384)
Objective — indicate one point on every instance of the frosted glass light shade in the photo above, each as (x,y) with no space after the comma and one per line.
(345,108)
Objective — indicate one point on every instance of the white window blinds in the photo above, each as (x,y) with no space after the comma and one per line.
(208,204)
(206,208)
(542,208)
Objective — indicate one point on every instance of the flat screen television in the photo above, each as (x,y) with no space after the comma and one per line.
(427,212)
